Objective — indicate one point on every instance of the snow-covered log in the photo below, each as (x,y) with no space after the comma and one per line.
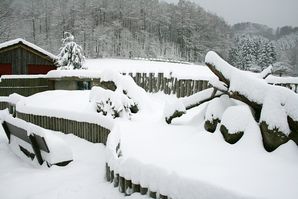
(215,110)
(234,123)
(189,102)
(275,107)
(266,72)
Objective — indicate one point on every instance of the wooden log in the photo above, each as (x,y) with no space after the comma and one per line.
(121,184)
(116,180)
(108,173)
(150,82)
(205,84)
(112,176)
(128,187)
(178,88)
(187,87)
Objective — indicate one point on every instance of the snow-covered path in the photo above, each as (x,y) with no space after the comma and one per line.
(83,178)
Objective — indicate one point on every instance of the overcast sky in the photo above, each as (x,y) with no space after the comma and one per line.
(273,13)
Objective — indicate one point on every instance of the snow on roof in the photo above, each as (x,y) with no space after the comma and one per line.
(22,76)
(35,47)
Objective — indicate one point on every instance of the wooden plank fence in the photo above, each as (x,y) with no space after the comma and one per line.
(293,87)
(127,187)
(155,82)
(4,105)
(23,86)
(151,82)
(88,131)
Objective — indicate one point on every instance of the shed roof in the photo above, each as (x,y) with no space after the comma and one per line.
(31,45)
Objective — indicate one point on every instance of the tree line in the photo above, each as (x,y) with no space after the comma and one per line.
(120,28)
(138,28)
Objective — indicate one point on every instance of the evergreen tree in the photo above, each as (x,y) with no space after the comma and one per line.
(252,53)
(70,56)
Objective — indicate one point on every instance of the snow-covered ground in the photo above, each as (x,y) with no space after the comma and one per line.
(183,149)
(192,153)
(82,178)
(181,71)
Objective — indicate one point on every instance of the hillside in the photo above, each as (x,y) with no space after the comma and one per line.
(117,28)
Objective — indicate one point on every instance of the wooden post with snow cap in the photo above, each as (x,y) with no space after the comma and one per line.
(116,180)
(152,194)
(121,184)
(128,187)
(107,172)
(112,176)
(143,190)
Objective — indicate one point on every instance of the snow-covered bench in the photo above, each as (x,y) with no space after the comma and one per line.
(32,142)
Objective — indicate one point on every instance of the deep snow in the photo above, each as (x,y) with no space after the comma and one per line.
(82,178)
(184,149)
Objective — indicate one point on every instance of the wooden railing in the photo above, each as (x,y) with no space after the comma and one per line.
(88,131)
(4,105)
(153,83)
(23,86)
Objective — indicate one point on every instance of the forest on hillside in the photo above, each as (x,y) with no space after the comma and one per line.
(142,28)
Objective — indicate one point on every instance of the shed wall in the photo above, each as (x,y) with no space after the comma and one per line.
(20,57)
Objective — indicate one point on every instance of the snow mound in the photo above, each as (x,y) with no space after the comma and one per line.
(72,105)
(15,98)
(59,151)
(274,111)
(172,107)
(126,82)
(274,99)
(237,118)
(111,103)
(217,106)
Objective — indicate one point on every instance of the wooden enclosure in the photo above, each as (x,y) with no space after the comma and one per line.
(23,86)
(88,131)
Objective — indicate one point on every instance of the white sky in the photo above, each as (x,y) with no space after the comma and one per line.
(273,13)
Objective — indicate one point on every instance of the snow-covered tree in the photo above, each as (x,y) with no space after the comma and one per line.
(70,56)
(252,53)
(282,68)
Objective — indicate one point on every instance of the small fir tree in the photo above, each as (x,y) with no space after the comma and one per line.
(70,56)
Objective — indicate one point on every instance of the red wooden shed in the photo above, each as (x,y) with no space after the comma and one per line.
(22,57)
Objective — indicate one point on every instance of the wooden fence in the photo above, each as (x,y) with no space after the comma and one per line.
(127,187)
(293,87)
(155,82)
(88,131)
(4,105)
(151,82)
(23,86)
